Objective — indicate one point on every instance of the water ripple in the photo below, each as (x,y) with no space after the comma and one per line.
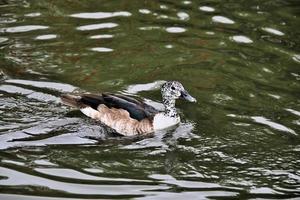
(73,174)
(207,8)
(101,49)
(28,93)
(175,29)
(7,20)
(101,36)
(26,28)
(101,15)
(241,39)
(63,87)
(223,20)
(274,125)
(96,26)
(183,16)
(3,39)
(144,11)
(265,121)
(136,88)
(296,58)
(273,31)
(35,14)
(186,2)
(46,37)
(295,112)
(15,178)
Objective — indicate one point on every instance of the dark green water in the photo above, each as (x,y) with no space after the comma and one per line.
(240,59)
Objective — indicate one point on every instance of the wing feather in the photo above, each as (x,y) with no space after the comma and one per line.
(137,109)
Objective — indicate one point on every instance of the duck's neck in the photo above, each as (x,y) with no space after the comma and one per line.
(170,109)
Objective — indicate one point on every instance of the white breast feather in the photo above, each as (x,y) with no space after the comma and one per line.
(162,121)
(90,112)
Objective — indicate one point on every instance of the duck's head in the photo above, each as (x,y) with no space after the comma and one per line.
(173,90)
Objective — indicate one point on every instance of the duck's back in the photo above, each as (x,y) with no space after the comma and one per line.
(128,116)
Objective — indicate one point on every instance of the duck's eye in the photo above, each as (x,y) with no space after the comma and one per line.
(172,88)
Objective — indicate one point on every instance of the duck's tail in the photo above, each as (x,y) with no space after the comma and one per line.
(73,101)
(86,103)
(82,100)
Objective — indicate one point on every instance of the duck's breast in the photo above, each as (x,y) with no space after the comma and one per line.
(161,121)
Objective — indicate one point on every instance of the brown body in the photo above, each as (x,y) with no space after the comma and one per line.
(116,118)
(120,121)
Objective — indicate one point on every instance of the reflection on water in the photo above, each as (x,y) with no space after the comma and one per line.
(221,19)
(241,39)
(239,59)
(46,37)
(20,29)
(273,31)
(96,26)
(100,15)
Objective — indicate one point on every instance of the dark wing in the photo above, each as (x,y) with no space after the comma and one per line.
(137,109)
(150,110)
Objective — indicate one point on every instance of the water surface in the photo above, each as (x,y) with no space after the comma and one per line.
(240,59)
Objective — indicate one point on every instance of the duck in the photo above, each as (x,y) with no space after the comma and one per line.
(130,116)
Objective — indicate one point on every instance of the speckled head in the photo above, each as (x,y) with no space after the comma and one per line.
(173,90)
